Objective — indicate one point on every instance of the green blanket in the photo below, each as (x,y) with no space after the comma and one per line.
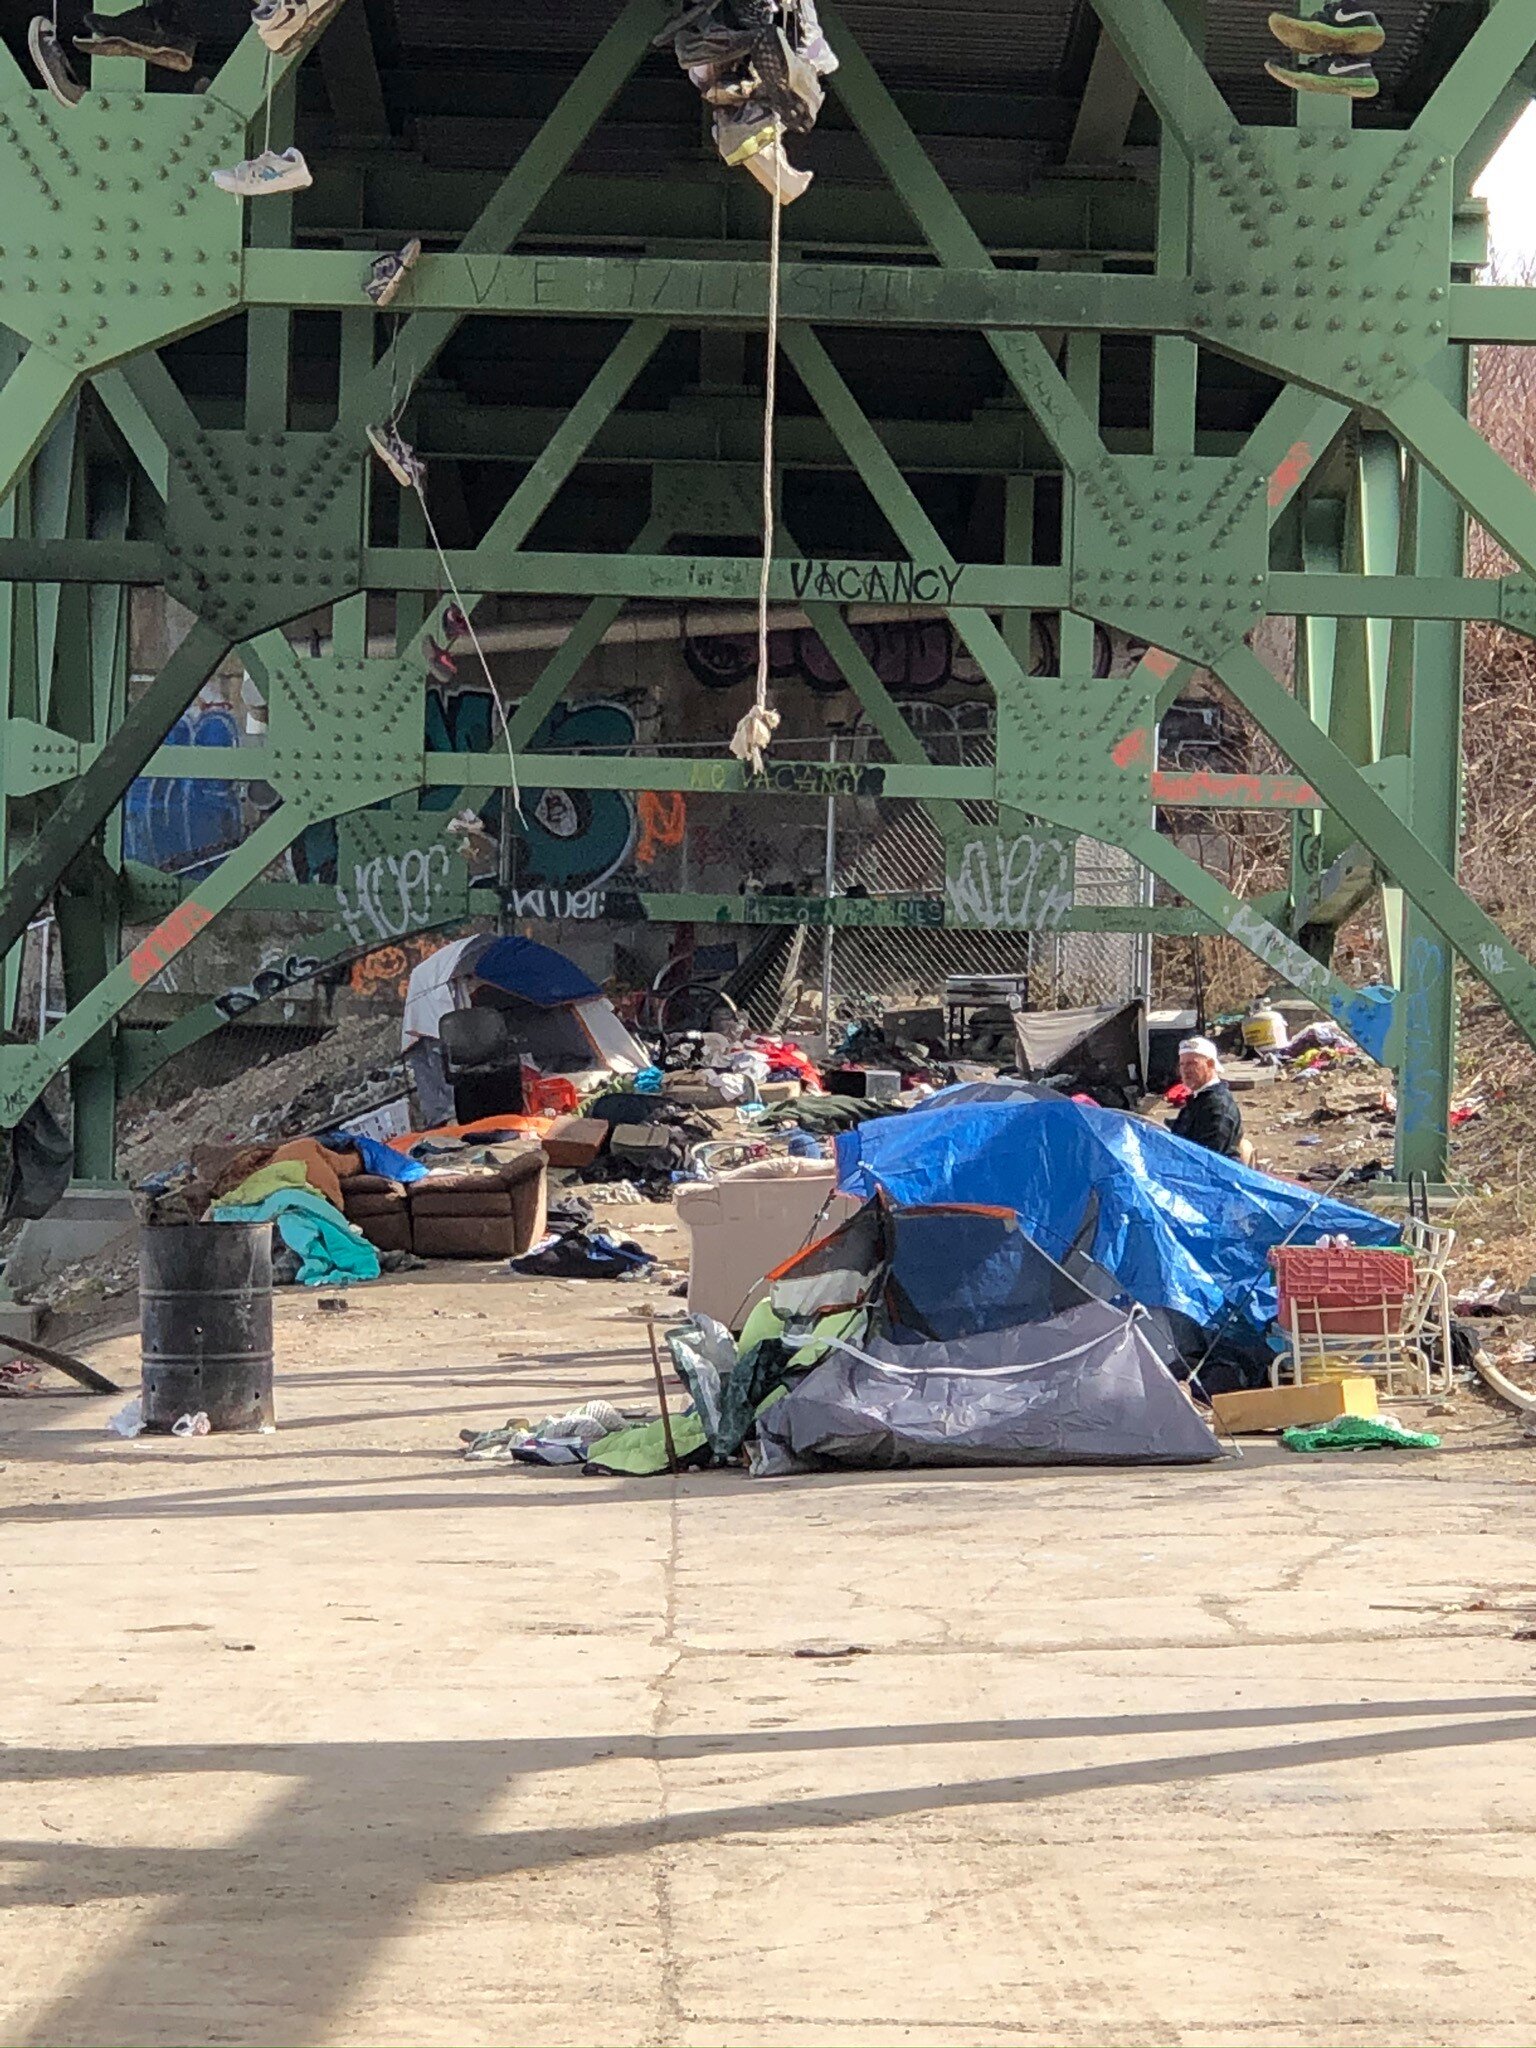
(641,1453)
(1359,1433)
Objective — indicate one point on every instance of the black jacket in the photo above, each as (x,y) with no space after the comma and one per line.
(1211,1119)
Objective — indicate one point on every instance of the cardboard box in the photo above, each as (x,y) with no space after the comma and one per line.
(1257,1409)
(575,1140)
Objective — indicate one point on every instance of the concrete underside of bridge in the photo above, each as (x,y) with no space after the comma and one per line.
(1098,350)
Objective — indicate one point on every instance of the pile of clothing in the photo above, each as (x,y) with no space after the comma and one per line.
(736,1068)
(572,1248)
(759,65)
(299,1186)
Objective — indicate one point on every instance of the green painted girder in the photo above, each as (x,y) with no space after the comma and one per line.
(381,196)
(733,579)
(1178,789)
(26,1070)
(720,291)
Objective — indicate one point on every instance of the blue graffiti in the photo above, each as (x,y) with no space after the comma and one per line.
(1367,1014)
(177,824)
(1422,1078)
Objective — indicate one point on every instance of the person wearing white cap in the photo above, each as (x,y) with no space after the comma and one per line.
(1210,1117)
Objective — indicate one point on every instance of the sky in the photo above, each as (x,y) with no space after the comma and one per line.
(1509,186)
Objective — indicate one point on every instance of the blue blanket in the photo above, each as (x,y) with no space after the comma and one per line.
(1178,1227)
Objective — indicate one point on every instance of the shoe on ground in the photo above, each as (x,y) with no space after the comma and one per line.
(52,64)
(1348,78)
(398,457)
(281,23)
(271,172)
(1339,31)
(156,34)
(389,271)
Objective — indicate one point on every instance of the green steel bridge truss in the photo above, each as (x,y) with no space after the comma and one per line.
(1331,258)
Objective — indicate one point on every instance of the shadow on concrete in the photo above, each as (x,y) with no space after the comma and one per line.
(280,1926)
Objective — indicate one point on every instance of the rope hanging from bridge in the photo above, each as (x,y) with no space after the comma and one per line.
(757,728)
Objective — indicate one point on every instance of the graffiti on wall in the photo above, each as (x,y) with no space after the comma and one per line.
(178,825)
(277,972)
(385,973)
(911,655)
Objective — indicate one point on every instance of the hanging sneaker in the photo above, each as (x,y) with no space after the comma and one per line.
(398,457)
(755,143)
(455,625)
(441,666)
(814,47)
(281,23)
(1344,77)
(1339,31)
(156,33)
(388,272)
(777,175)
(52,64)
(272,171)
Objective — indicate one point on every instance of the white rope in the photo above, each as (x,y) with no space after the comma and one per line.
(490,680)
(757,728)
(266,144)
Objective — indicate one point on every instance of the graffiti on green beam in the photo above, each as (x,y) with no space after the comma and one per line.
(920,912)
(875,582)
(577,906)
(818,778)
(811,291)
(1022,881)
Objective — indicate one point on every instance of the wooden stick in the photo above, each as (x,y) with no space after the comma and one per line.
(661,1395)
(75,1368)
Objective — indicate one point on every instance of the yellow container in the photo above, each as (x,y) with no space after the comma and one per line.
(1264,1031)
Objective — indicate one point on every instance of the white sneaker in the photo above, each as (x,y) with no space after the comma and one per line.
(268,173)
(398,457)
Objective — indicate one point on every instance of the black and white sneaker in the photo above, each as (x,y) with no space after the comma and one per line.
(52,64)
(156,33)
(389,272)
(1348,78)
(398,457)
(1339,31)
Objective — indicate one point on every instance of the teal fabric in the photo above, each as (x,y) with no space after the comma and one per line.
(330,1250)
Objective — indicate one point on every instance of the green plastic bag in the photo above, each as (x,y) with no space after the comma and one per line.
(1359,1433)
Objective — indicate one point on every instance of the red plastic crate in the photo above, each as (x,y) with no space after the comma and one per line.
(1340,1291)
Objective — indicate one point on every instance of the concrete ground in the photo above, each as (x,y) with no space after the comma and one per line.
(327,1737)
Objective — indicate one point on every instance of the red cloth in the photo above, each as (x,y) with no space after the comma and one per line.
(785,1057)
(1178,1095)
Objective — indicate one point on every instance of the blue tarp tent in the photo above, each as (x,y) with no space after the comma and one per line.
(531,972)
(1177,1227)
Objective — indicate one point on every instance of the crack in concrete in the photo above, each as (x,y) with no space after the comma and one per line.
(670,2017)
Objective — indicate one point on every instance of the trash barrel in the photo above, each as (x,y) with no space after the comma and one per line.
(205,1324)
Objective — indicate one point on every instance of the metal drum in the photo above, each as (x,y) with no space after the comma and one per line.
(205,1321)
